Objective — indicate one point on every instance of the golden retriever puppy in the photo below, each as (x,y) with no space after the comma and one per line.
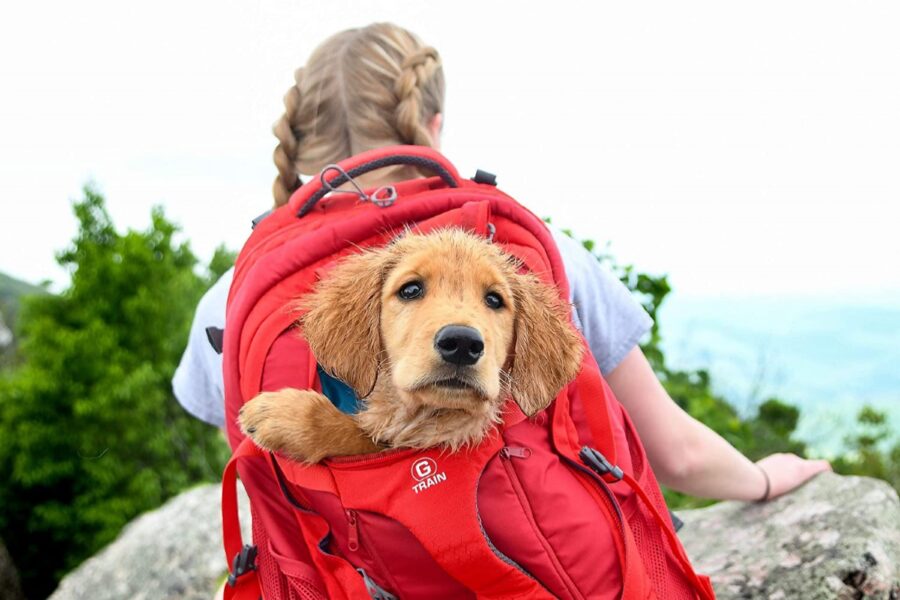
(434,332)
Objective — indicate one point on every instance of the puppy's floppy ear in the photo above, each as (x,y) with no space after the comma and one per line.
(547,349)
(342,322)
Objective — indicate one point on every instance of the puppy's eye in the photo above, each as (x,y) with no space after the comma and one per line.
(493,300)
(411,290)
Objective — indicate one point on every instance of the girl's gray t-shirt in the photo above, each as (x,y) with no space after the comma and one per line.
(610,318)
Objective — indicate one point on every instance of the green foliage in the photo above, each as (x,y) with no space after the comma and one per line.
(90,434)
(222,260)
(869,450)
(650,289)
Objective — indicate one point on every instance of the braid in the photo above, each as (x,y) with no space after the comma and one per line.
(360,89)
(288,134)
(417,70)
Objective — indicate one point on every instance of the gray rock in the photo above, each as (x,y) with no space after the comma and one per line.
(10,589)
(172,552)
(836,537)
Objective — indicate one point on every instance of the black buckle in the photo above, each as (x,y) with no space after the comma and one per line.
(244,562)
(596,461)
(485,177)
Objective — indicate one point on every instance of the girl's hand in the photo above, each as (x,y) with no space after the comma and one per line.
(788,471)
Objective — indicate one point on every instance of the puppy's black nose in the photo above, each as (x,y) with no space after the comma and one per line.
(459,344)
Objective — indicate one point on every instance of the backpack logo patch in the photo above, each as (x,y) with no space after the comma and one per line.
(425,472)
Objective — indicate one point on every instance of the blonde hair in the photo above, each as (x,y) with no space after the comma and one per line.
(361,89)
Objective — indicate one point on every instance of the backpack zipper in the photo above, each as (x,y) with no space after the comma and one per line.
(507,453)
(354,544)
(607,494)
(367,459)
(514,452)
(497,551)
(352,531)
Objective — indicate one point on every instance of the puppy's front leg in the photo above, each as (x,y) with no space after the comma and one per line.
(303,425)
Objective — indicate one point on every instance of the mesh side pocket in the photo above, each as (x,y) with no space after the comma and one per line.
(273,583)
(282,578)
(652,554)
(298,578)
(669,579)
(300,589)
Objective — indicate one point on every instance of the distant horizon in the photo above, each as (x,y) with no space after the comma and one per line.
(889,298)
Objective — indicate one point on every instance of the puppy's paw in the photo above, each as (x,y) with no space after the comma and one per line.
(287,421)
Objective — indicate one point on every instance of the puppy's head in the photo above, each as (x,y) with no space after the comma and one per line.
(447,318)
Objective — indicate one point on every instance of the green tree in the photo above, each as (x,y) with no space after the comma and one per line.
(90,434)
(872,450)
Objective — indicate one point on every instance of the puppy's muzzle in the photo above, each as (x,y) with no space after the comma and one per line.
(459,344)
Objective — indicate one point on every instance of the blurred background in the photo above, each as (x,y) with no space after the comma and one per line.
(736,166)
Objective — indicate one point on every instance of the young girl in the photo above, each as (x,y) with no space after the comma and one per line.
(378,86)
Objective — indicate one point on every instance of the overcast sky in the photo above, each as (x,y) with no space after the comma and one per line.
(745,148)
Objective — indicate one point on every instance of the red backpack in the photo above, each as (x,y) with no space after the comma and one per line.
(563,504)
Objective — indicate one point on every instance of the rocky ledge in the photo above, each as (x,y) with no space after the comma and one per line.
(836,537)
(172,552)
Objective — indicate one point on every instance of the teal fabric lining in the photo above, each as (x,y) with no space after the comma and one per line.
(340,394)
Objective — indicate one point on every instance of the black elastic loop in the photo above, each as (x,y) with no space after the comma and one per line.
(260,218)
(387,161)
(677,523)
(216,337)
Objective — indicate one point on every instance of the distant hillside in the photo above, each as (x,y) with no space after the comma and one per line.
(829,356)
(11,292)
(11,289)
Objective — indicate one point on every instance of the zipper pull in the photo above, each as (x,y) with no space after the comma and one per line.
(515,452)
(352,531)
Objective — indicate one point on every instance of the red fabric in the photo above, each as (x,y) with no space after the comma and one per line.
(489,518)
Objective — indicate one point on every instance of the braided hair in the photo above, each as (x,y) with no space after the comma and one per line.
(361,89)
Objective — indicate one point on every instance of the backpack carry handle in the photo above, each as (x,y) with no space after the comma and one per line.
(305,199)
